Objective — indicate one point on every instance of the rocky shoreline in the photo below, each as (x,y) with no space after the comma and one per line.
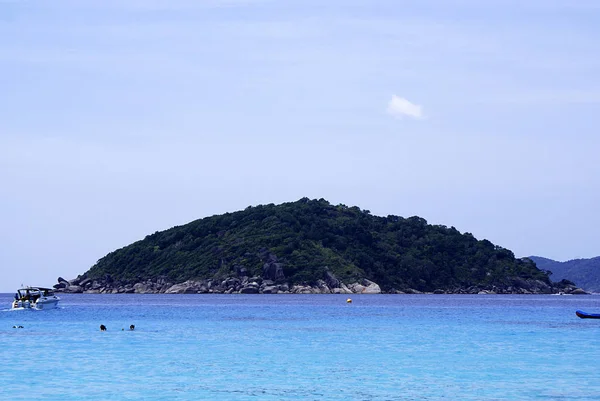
(260,285)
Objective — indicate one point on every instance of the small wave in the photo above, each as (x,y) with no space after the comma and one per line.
(29,309)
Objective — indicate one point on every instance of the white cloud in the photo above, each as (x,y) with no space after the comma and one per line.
(399,107)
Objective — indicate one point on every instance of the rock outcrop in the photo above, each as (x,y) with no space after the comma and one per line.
(263,285)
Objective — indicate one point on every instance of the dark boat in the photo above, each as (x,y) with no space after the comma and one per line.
(585,315)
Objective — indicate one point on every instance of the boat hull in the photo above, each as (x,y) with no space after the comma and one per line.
(48,303)
(585,315)
(41,304)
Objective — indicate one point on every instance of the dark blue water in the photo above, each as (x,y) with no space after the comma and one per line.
(309,347)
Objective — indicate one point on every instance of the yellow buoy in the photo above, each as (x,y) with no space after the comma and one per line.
(349,301)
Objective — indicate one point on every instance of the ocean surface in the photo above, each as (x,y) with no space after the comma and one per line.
(302,347)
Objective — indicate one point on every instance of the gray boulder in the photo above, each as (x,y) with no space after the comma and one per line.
(303,289)
(251,289)
(331,280)
(74,289)
(342,289)
(140,288)
(370,287)
(273,289)
(75,281)
(188,287)
(85,283)
(322,287)
(273,270)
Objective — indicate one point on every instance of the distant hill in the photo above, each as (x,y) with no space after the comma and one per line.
(583,272)
(312,242)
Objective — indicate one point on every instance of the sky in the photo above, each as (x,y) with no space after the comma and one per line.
(119,118)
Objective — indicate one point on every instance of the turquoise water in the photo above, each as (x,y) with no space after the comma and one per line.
(302,347)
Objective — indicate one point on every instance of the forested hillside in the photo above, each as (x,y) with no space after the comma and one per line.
(585,273)
(308,240)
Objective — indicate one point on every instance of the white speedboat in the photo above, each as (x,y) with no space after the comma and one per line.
(35,298)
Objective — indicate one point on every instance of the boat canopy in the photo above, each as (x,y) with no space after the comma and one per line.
(35,290)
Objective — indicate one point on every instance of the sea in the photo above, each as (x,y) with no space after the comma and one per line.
(302,347)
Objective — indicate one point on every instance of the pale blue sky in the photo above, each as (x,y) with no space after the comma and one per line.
(121,118)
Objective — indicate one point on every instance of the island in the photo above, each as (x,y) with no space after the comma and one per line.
(313,247)
(585,273)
